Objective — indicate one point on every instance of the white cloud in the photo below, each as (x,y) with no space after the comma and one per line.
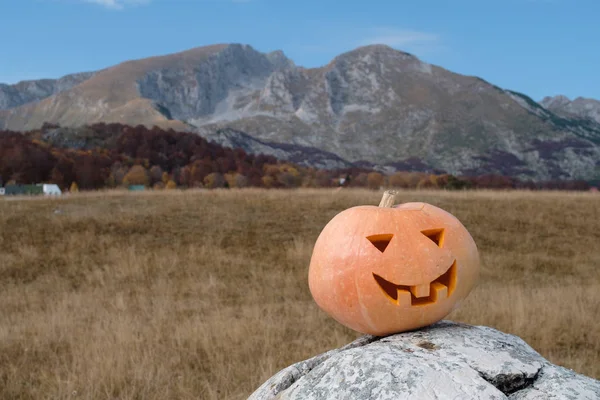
(418,43)
(117,4)
(400,37)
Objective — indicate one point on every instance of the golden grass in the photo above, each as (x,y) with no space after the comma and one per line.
(203,294)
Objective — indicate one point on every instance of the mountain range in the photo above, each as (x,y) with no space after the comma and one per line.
(374,106)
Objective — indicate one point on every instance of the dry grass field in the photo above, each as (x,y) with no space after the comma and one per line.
(204,295)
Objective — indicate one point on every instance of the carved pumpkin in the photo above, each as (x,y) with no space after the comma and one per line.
(382,270)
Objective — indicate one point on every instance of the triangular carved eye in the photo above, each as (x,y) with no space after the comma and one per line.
(436,235)
(381,241)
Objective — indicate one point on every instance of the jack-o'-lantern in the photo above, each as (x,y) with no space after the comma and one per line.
(387,269)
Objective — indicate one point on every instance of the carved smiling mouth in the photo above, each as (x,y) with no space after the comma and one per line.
(418,295)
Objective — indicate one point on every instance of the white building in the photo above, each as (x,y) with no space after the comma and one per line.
(51,189)
(2,190)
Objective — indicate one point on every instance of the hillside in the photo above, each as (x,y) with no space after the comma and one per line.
(32,91)
(153,91)
(114,155)
(371,106)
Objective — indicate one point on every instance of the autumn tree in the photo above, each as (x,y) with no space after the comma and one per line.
(184,177)
(89,171)
(63,172)
(268,181)
(155,173)
(23,160)
(360,180)
(428,182)
(199,170)
(227,163)
(492,181)
(400,180)
(287,176)
(137,175)
(241,181)
(454,183)
(57,177)
(214,180)
(323,178)
(171,185)
(413,178)
(117,174)
(270,170)
(374,180)
(165,178)
(288,180)
(236,180)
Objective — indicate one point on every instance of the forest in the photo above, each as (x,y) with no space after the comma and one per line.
(114,155)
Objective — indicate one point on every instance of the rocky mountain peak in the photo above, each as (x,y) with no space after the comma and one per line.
(30,91)
(280,60)
(374,54)
(555,101)
(382,49)
(215,87)
(581,107)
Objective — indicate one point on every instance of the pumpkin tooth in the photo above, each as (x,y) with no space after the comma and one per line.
(420,290)
(404,298)
(440,291)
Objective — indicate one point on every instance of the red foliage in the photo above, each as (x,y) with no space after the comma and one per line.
(189,160)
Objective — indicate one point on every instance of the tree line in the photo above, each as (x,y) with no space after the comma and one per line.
(164,159)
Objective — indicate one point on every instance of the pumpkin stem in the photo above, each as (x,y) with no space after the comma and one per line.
(387,201)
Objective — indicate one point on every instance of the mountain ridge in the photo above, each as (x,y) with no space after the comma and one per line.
(373,104)
(580,107)
(28,91)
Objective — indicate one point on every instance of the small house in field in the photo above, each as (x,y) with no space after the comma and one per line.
(137,188)
(343,180)
(12,190)
(48,189)
(23,190)
(51,189)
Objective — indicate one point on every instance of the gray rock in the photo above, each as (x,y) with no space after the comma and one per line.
(219,83)
(35,90)
(444,361)
(301,155)
(579,108)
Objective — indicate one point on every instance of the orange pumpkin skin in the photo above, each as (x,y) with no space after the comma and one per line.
(365,255)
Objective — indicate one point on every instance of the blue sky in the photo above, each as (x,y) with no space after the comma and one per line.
(538,47)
